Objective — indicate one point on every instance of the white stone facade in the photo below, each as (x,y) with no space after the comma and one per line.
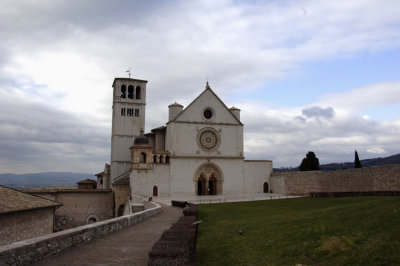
(199,152)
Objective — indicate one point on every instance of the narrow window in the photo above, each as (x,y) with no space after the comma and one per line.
(130,92)
(142,158)
(122,111)
(138,92)
(155,191)
(136,112)
(128,112)
(123,91)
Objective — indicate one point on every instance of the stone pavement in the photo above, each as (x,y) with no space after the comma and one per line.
(130,246)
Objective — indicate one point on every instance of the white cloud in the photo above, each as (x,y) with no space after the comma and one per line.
(381,94)
(376,150)
(63,56)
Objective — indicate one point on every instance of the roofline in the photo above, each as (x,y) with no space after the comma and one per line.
(68,190)
(255,161)
(207,88)
(55,205)
(159,128)
(32,209)
(129,79)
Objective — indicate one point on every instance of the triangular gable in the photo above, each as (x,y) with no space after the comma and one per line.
(208,98)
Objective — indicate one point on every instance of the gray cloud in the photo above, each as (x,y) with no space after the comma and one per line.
(176,46)
(317,111)
(285,139)
(34,137)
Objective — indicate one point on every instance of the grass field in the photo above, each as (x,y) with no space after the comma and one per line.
(332,231)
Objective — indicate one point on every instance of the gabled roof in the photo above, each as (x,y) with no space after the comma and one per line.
(122,179)
(12,200)
(158,129)
(87,181)
(208,88)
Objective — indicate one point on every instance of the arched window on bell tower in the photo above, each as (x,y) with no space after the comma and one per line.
(138,92)
(130,92)
(123,91)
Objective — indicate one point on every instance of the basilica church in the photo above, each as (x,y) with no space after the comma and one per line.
(199,150)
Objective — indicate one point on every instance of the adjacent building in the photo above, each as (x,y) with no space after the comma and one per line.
(24,216)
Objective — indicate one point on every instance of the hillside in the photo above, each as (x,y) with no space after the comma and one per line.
(394,159)
(47,179)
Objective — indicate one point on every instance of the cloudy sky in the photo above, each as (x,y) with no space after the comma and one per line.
(307,75)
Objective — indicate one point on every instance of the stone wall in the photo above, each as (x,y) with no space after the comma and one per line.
(35,249)
(376,178)
(256,173)
(121,194)
(79,205)
(27,224)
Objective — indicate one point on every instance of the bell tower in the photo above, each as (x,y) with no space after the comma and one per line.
(128,120)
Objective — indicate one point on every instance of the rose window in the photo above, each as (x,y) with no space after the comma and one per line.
(208,139)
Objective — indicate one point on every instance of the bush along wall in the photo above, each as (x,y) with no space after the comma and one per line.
(177,244)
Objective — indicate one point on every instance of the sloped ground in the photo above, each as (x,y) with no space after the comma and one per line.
(331,231)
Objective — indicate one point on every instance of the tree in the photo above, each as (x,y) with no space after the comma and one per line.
(310,163)
(357,163)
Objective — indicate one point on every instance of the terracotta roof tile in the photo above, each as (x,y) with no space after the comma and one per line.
(12,200)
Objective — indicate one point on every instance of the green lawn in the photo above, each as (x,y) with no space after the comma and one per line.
(333,231)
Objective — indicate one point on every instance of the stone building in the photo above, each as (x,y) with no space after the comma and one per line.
(24,216)
(198,152)
(87,184)
(79,206)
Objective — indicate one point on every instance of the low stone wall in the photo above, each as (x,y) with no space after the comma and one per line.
(38,248)
(376,178)
(177,245)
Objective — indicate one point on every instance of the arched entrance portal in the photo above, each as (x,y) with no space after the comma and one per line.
(266,187)
(208,180)
(155,191)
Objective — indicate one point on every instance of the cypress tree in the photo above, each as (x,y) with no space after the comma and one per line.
(357,163)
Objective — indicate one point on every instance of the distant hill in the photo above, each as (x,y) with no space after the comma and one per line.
(394,159)
(48,179)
